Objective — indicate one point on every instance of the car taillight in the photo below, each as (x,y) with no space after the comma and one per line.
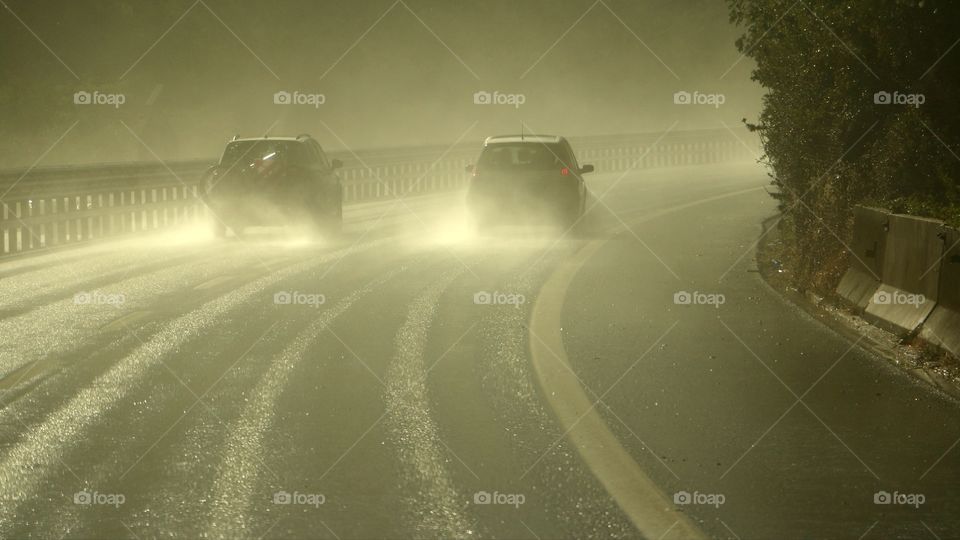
(565,171)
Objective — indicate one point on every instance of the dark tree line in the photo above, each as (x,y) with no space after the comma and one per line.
(862,108)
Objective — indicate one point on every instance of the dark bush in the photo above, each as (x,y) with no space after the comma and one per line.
(828,142)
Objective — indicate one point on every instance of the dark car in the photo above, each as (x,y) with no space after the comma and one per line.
(274,181)
(527,178)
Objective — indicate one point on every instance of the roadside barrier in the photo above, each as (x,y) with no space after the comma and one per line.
(58,206)
(943,326)
(904,275)
(863,277)
(911,274)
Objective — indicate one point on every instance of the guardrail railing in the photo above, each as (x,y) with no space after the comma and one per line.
(56,206)
(401,175)
(53,207)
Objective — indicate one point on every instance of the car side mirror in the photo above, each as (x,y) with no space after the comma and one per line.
(336,164)
(586,169)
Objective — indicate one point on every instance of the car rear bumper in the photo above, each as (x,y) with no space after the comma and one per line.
(522,205)
(237,209)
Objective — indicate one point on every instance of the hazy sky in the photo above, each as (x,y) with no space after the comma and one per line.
(191,74)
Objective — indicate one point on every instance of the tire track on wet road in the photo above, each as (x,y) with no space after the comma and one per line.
(434,506)
(40,450)
(235,486)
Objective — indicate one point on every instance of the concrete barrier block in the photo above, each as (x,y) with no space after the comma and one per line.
(867,248)
(913,253)
(911,274)
(857,287)
(898,311)
(943,326)
(949,294)
(943,329)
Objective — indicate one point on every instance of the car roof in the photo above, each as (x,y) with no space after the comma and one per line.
(293,139)
(541,139)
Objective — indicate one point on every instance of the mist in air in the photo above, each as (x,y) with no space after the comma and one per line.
(419,74)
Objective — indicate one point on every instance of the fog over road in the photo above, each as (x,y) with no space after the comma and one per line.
(283,269)
(402,382)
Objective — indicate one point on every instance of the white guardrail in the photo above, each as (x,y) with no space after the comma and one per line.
(56,206)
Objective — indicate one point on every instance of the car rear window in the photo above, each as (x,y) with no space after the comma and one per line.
(523,156)
(246,152)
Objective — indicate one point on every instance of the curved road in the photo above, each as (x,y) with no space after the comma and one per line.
(416,380)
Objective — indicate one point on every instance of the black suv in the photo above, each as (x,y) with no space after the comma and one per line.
(274,181)
(527,177)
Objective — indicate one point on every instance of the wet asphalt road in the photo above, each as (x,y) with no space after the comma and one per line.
(166,388)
